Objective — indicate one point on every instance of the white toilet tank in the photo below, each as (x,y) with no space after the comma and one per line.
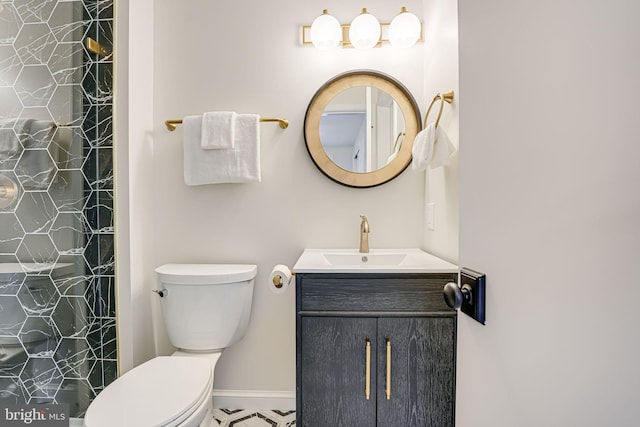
(206,306)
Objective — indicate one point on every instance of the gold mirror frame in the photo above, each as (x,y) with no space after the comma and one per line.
(323,97)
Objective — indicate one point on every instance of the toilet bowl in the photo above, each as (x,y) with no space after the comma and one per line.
(165,391)
(206,308)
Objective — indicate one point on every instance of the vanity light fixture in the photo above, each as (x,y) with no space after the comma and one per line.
(326,31)
(405,29)
(364,32)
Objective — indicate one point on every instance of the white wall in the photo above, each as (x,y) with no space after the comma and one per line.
(441,75)
(548,149)
(246,57)
(549,205)
(133,178)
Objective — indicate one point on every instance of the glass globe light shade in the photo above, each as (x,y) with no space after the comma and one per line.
(404,30)
(364,32)
(326,31)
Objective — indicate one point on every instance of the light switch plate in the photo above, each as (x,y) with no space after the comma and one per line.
(430,215)
(476,283)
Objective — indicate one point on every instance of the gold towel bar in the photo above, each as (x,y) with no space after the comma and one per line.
(97,48)
(443,97)
(284,123)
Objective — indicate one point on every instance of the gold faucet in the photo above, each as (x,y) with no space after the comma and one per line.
(364,235)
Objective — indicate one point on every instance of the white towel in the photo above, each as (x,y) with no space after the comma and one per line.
(10,144)
(40,134)
(422,149)
(442,150)
(36,168)
(218,130)
(432,147)
(238,164)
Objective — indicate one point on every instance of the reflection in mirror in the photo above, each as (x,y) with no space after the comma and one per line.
(360,127)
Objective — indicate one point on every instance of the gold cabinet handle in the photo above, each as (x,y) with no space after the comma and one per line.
(367,373)
(388,385)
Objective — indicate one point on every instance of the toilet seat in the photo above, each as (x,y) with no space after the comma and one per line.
(162,392)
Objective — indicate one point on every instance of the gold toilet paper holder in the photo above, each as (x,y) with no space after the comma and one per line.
(278,282)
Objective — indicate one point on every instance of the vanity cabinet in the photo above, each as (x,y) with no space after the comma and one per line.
(374,350)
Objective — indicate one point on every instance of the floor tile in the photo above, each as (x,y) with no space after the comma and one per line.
(253,418)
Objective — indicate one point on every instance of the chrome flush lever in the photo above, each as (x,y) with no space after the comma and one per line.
(162,292)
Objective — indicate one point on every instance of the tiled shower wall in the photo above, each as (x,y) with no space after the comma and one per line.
(57,283)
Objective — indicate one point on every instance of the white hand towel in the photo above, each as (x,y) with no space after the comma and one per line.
(40,134)
(442,149)
(11,145)
(422,149)
(218,130)
(36,168)
(238,164)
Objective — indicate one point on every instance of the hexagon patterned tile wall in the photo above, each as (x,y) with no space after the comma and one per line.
(57,283)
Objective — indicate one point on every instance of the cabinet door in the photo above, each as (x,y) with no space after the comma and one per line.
(422,380)
(332,383)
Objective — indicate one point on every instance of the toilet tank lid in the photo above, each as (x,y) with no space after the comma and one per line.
(205,274)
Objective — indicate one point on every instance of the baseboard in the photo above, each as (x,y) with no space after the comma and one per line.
(254,399)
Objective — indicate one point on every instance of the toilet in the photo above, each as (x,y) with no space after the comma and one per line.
(206,308)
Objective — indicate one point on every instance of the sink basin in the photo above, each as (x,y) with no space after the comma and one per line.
(375,261)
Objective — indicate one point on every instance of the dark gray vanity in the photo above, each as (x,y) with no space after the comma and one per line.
(374,349)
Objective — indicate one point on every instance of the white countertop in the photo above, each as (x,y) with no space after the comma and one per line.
(375,261)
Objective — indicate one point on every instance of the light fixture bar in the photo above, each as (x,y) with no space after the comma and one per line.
(384,38)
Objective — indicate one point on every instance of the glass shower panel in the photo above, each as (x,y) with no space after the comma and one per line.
(57,278)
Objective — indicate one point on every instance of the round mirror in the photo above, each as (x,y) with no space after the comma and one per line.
(359,128)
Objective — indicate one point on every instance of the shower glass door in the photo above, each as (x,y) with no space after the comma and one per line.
(57,281)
